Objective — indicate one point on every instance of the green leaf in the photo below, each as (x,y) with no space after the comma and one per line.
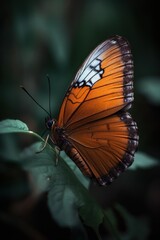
(84,180)
(16,126)
(41,164)
(142,160)
(90,212)
(12,126)
(67,197)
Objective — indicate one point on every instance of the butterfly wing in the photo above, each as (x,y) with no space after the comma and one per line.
(102,86)
(93,113)
(107,146)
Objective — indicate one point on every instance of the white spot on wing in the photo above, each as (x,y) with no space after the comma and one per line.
(113,41)
(90,75)
(98,68)
(95,78)
(81,83)
(95,62)
(89,84)
(84,75)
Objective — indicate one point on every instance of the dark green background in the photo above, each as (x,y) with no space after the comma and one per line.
(54,37)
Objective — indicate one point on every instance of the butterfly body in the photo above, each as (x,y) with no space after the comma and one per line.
(93,126)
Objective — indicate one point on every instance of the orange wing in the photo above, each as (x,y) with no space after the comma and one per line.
(93,115)
(107,146)
(102,86)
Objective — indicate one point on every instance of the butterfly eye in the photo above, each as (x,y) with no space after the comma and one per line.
(49,123)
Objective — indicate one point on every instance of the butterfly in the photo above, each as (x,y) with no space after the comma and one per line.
(93,127)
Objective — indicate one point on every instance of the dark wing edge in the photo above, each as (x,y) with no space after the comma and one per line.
(107,162)
(106,51)
(128,157)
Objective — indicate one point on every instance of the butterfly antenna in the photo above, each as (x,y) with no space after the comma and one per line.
(24,89)
(49,88)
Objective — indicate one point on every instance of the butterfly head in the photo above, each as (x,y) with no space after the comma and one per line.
(50,123)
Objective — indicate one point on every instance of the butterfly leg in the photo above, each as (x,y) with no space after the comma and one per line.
(45,143)
(57,150)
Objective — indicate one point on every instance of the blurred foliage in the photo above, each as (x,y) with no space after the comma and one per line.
(68,198)
(54,37)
